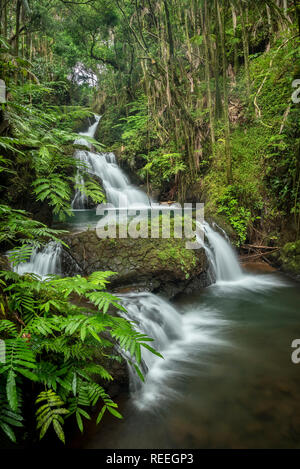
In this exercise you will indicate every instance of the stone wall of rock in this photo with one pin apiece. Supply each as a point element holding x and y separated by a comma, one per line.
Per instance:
<point>158,265</point>
<point>289,259</point>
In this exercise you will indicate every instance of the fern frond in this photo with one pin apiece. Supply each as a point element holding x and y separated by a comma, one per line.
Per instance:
<point>8,328</point>
<point>50,412</point>
<point>9,418</point>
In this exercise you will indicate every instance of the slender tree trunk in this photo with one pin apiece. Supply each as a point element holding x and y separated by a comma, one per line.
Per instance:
<point>17,34</point>
<point>1,16</point>
<point>221,20</point>
<point>218,111</point>
<point>245,48</point>
<point>270,23</point>
<point>204,21</point>
<point>5,21</point>
<point>234,24</point>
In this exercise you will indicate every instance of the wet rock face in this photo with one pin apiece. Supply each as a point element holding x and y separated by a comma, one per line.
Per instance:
<point>290,258</point>
<point>157,265</point>
<point>69,266</point>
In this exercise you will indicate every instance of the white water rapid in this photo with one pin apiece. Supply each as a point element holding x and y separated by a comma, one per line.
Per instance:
<point>118,189</point>
<point>43,262</point>
<point>221,255</point>
<point>176,336</point>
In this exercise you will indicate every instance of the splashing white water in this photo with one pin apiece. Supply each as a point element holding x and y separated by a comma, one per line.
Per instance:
<point>177,337</point>
<point>222,257</point>
<point>118,189</point>
<point>42,262</point>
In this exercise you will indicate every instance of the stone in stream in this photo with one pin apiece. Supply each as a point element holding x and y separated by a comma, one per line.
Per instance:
<point>159,265</point>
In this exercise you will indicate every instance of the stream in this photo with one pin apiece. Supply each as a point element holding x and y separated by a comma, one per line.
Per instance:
<point>227,379</point>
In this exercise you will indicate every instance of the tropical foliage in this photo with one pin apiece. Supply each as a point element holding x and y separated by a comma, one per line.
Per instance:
<point>196,99</point>
<point>56,351</point>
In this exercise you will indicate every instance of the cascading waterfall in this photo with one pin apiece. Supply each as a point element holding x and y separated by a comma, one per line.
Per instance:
<point>176,336</point>
<point>120,193</point>
<point>42,262</point>
<point>118,189</point>
<point>224,262</point>
<point>155,317</point>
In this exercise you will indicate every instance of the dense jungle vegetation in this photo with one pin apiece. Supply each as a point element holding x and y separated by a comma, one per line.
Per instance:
<point>199,100</point>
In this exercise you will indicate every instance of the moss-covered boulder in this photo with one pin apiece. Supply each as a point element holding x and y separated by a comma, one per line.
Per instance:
<point>290,258</point>
<point>160,265</point>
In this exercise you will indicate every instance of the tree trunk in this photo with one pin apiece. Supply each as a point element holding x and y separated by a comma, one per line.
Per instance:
<point>218,110</point>
<point>234,24</point>
<point>17,34</point>
<point>245,49</point>
<point>204,21</point>
<point>221,21</point>
<point>5,21</point>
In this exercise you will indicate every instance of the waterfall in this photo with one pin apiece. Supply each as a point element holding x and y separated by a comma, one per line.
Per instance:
<point>159,320</point>
<point>176,336</point>
<point>118,189</point>
<point>42,262</point>
<point>223,260</point>
<point>224,265</point>
<point>89,133</point>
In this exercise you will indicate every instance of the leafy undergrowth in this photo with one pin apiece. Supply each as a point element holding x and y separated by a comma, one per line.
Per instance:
<point>54,348</point>
<point>265,152</point>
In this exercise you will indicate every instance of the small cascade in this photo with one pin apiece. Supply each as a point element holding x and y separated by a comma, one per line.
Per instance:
<point>118,189</point>
<point>44,262</point>
<point>222,257</point>
<point>176,336</point>
<point>223,261</point>
<point>159,320</point>
<point>89,133</point>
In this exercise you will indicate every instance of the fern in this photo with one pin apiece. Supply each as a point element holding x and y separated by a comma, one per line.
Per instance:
<point>17,228</point>
<point>91,189</point>
<point>56,191</point>
<point>19,358</point>
<point>8,327</point>
<point>9,418</point>
<point>53,343</point>
<point>50,412</point>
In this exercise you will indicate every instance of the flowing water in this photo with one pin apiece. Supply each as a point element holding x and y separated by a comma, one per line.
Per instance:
<point>43,262</point>
<point>227,379</point>
<point>118,189</point>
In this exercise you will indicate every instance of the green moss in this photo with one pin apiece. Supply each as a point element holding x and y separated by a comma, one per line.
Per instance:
<point>264,159</point>
<point>186,258</point>
<point>290,257</point>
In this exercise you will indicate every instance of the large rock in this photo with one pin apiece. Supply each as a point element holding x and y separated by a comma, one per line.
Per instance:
<point>290,258</point>
<point>159,265</point>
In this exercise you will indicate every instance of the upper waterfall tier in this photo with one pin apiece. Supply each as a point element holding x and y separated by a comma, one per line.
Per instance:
<point>118,189</point>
